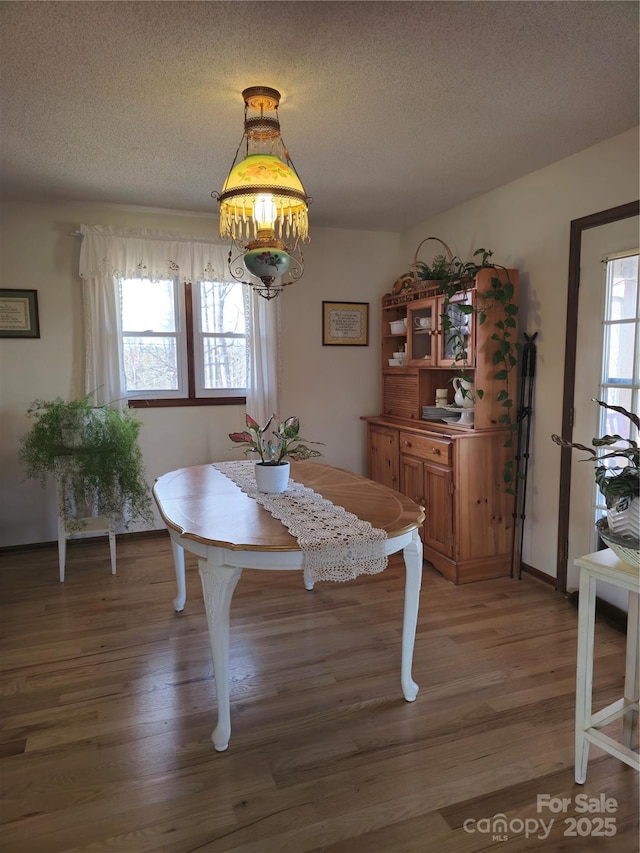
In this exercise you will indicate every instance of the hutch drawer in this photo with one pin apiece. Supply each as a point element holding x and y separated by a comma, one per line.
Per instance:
<point>425,447</point>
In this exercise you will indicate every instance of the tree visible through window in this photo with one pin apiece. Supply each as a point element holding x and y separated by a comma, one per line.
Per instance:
<point>223,329</point>
<point>184,341</point>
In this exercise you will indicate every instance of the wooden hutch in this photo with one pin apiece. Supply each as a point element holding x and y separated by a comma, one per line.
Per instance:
<point>454,471</point>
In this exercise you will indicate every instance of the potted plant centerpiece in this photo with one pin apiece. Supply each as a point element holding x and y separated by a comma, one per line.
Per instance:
<point>93,454</point>
<point>275,443</point>
<point>617,474</point>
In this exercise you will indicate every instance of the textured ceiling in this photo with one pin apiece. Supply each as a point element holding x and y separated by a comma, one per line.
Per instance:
<point>392,111</point>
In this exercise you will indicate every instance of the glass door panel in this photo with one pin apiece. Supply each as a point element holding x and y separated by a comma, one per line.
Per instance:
<point>421,331</point>
<point>456,346</point>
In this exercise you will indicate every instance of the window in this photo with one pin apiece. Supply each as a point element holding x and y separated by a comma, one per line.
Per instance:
<point>221,312</point>
<point>182,343</point>
<point>620,385</point>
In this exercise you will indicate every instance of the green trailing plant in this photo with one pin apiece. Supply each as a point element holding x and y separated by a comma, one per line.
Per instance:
<point>274,441</point>
<point>94,456</point>
<point>618,483</point>
<point>454,286</point>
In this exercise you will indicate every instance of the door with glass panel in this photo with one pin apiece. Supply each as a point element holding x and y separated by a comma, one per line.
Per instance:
<point>607,367</point>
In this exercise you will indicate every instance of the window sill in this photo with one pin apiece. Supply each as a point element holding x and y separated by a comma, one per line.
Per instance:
<point>172,402</point>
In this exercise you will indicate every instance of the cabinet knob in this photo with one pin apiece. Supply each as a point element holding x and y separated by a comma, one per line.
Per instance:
<point>407,443</point>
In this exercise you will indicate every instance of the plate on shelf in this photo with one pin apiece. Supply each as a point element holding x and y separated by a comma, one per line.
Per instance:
<point>451,419</point>
<point>434,412</point>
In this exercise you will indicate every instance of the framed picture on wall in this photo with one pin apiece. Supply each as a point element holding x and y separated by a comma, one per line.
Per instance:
<point>345,324</point>
<point>19,314</point>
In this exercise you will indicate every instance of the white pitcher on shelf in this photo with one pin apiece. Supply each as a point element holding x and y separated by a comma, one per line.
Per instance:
<point>464,392</point>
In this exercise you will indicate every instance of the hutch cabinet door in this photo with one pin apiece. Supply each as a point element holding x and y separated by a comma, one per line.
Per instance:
<point>382,456</point>
<point>438,524</point>
<point>412,480</point>
<point>457,349</point>
<point>401,393</point>
<point>422,325</point>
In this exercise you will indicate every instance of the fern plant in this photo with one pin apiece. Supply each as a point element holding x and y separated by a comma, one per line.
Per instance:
<point>94,456</point>
<point>438,270</point>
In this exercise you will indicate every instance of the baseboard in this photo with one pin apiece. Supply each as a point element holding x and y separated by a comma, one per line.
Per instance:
<point>541,576</point>
<point>40,546</point>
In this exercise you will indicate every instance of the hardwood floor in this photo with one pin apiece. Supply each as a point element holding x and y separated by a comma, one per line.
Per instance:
<point>108,704</point>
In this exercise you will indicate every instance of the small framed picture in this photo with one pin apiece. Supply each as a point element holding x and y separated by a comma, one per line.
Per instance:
<point>19,314</point>
<point>345,324</point>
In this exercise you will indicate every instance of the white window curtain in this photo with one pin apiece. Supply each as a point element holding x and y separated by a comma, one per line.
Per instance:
<point>108,254</point>
<point>263,397</point>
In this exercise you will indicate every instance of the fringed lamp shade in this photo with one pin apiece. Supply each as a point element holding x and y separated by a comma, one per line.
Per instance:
<point>261,190</point>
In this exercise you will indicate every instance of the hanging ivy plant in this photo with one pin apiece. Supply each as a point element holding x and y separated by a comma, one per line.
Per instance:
<point>505,354</point>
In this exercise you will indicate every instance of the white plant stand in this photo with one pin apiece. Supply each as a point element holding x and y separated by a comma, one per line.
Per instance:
<point>605,566</point>
<point>94,526</point>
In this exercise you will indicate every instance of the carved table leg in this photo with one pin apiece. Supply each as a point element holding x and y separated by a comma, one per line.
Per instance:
<point>413,563</point>
<point>178,565</point>
<point>218,584</point>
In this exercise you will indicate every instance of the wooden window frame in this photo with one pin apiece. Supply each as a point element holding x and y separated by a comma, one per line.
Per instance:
<point>191,399</point>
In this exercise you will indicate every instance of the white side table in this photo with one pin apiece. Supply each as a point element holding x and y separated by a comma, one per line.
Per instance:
<point>607,567</point>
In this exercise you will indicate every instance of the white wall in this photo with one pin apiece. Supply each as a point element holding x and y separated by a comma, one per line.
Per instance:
<point>328,387</point>
<point>336,385</point>
<point>526,223</point>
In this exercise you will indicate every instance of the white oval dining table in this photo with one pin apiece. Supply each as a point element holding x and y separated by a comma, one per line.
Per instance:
<point>208,515</point>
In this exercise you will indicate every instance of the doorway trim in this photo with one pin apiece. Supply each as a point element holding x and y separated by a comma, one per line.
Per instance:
<point>603,217</point>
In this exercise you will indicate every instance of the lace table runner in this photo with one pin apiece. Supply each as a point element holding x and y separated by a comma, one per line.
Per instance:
<point>336,544</point>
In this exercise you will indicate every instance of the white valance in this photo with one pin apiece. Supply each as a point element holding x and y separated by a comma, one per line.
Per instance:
<point>146,253</point>
<point>109,253</point>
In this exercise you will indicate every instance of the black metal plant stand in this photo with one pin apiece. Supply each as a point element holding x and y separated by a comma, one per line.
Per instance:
<point>524,413</point>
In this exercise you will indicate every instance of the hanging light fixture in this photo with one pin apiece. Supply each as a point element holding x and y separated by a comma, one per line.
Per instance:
<point>263,205</point>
